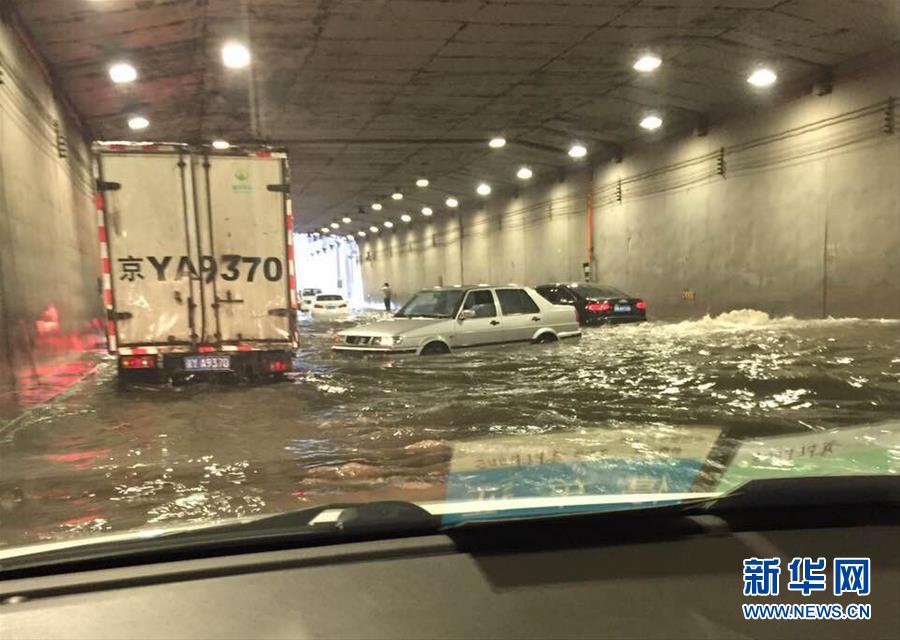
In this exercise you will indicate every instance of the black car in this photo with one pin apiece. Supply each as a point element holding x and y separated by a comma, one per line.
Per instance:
<point>596,303</point>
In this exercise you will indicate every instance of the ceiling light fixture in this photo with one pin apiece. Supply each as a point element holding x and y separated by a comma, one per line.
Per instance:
<point>647,63</point>
<point>373,229</point>
<point>221,145</point>
<point>524,173</point>
<point>762,77</point>
<point>484,189</point>
<point>406,217</point>
<point>577,151</point>
<point>361,234</point>
<point>335,225</point>
<point>136,123</point>
<point>388,224</point>
<point>426,211</point>
<point>346,219</point>
<point>422,182</point>
<point>651,122</point>
<point>497,143</point>
<point>122,73</point>
<point>451,202</point>
<point>376,206</point>
<point>235,55</point>
<point>397,196</point>
<point>325,230</point>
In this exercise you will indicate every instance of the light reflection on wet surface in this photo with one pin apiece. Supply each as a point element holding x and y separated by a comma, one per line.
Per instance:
<point>102,459</point>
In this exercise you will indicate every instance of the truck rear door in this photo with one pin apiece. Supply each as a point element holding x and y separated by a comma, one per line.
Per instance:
<point>148,225</point>
<point>243,227</point>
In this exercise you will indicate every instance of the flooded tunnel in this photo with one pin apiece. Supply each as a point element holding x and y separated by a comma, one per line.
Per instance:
<point>289,277</point>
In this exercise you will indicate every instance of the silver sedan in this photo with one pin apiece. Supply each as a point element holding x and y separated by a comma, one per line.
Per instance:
<point>442,320</point>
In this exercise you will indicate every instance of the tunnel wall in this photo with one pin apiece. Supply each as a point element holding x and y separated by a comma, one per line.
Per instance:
<point>49,256</point>
<point>804,219</point>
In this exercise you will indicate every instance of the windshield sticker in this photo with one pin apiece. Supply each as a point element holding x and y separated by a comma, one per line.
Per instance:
<point>578,464</point>
<point>873,449</point>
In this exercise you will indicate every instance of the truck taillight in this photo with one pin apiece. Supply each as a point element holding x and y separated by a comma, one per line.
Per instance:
<point>641,305</point>
<point>137,362</point>
<point>598,306</point>
<point>205,348</point>
<point>279,366</point>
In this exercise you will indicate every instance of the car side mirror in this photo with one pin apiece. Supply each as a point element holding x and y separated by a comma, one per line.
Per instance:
<point>466,314</point>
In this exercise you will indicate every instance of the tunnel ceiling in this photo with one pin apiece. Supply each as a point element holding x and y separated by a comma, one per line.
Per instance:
<point>368,95</point>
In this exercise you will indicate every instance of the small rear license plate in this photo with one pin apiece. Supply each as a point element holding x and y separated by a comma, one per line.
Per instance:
<point>207,363</point>
<point>622,308</point>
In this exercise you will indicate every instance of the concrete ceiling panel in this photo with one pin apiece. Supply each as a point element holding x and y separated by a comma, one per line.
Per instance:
<point>424,71</point>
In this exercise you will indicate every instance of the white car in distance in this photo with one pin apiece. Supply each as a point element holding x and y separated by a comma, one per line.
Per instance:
<point>442,320</point>
<point>329,306</point>
<point>307,297</point>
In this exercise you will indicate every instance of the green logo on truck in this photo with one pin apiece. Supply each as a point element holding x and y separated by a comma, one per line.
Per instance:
<point>241,182</point>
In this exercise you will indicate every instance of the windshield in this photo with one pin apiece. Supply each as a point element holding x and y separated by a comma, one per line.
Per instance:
<point>431,304</point>
<point>591,252</point>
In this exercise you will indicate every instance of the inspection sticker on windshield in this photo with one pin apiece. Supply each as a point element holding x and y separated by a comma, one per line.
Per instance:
<point>589,462</point>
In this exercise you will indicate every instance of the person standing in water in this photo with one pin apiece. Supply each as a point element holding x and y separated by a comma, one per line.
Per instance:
<point>386,290</point>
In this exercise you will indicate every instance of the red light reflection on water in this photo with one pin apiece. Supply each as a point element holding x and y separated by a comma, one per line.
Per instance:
<point>49,356</point>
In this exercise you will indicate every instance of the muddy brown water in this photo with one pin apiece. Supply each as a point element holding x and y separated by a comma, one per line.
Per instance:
<point>98,458</point>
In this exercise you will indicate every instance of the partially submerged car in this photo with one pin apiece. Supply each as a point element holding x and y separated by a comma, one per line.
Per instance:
<point>444,319</point>
<point>596,304</point>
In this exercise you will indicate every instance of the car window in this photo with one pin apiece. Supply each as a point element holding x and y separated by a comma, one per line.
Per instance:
<point>431,304</point>
<point>328,297</point>
<point>557,295</point>
<point>515,301</point>
<point>482,302</point>
<point>551,294</point>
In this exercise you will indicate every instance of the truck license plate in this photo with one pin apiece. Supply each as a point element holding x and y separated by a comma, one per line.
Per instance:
<point>207,363</point>
<point>622,308</point>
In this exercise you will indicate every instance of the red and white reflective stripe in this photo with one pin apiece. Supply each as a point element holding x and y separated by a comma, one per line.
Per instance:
<point>136,146</point>
<point>107,277</point>
<point>240,347</point>
<point>292,278</point>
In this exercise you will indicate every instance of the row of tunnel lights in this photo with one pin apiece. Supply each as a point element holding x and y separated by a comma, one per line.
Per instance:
<point>760,77</point>
<point>235,55</point>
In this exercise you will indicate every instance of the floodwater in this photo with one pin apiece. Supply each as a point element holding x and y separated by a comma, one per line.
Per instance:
<point>98,458</point>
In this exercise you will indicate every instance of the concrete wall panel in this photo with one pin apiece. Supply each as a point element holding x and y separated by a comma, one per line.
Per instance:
<point>50,307</point>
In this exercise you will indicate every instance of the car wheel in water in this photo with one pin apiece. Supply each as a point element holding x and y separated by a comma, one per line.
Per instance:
<point>546,338</point>
<point>434,349</point>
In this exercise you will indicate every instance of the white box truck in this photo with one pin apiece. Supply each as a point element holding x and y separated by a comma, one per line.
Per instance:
<point>197,254</point>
